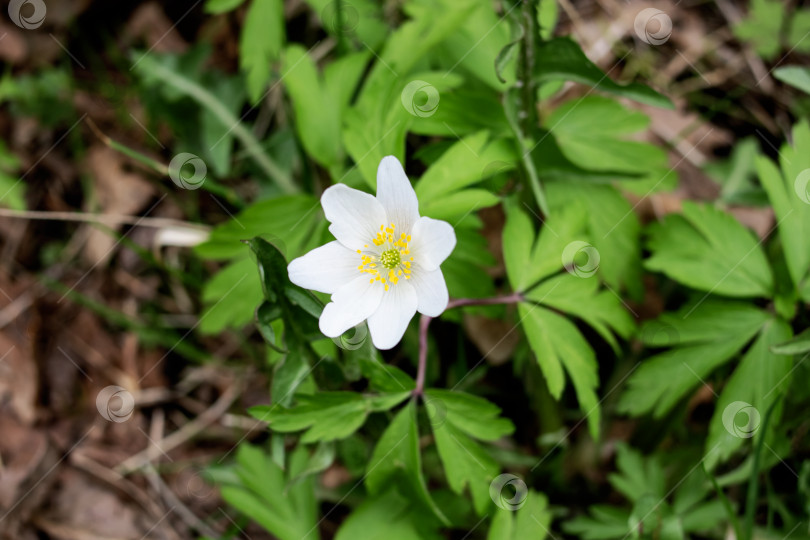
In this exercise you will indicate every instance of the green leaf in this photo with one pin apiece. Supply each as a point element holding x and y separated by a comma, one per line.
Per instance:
<point>289,374</point>
<point>221,6</point>
<point>325,416</point>
<point>602,310</point>
<point>464,111</point>
<point>389,516</point>
<point>762,27</point>
<point>527,262</point>
<point>789,193</point>
<point>231,296</point>
<point>450,207</point>
<point>532,520</point>
<point>702,337</point>
<point>219,142</point>
<point>465,464</point>
<point>474,45</point>
<point>796,76</point>
<point>761,378</point>
<point>798,345</point>
<point>557,343</point>
<point>637,476</point>
<point>263,494</point>
<point>473,415</point>
<point>341,77</point>
<point>162,71</point>
<point>592,132</point>
<point>260,44</point>
<point>397,458</point>
<point>463,165</point>
<point>317,113</point>
<point>606,523</point>
<point>321,459</point>
<point>709,250</point>
<point>385,378</point>
<point>290,217</point>
<point>562,59</point>
<point>737,175</point>
<point>612,227</point>
<point>518,240</point>
<point>266,313</point>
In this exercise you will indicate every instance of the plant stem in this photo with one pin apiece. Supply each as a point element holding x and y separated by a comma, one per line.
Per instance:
<point>424,324</point>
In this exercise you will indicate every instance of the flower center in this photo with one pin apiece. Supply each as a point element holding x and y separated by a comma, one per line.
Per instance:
<point>390,259</point>
<point>388,262</point>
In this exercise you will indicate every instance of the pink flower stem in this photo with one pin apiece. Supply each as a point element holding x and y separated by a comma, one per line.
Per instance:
<point>424,323</point>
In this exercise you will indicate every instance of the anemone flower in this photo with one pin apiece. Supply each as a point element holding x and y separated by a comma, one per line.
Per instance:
<point>384,264</point>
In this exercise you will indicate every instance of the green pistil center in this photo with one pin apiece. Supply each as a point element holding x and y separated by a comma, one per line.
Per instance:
<point>390,259</point>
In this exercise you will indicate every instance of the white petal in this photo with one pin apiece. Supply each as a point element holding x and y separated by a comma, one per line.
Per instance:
<point>431,291</point>
<point>432,242</point>
<point>355,216</point>
<point>325,269</point>
<point>351,305</point>
<point>387,325</point>
<point>395,193</point>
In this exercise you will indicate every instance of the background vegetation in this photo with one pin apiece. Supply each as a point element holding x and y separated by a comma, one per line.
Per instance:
<point>630,180</point>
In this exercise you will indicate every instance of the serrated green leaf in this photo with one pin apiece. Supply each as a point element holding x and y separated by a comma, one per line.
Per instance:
<point>465,463</point>
<point>262,493</point>
<point>612,227</point>
<point>290,218</point>
<point>471,414</point>
<point>389,516</point>
<point>602,310</point>
<point>709,250</point>
<point>531,520</point>
<point>557,343</point>
<point>607,523</point>
<point>325,416</point>
<point>637,476</point>
<point>664,379</point>
<point>789,191</point>
<point>762,27</point>
<point>562,59</point>
<point>527,262</point>
<point>464,164</point>
<point>397,458</point>
<point>760,379</point>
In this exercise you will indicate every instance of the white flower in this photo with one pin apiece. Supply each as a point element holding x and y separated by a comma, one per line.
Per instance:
<point>384,266</point>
